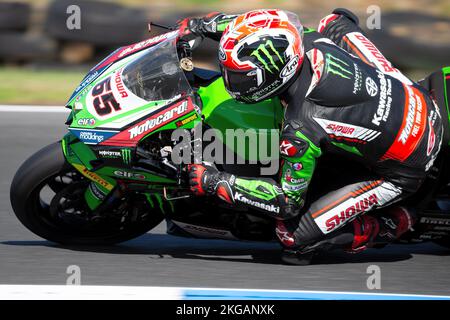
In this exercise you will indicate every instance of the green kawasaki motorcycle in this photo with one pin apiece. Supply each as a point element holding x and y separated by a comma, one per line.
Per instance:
<point>111,177</point>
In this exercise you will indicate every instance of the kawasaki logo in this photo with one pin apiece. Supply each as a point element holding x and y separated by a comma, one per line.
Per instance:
<point>337,66</point>
<point>239,197</point>
<point>159,120</point>
<point>264,53</point>
<point>126,155</point>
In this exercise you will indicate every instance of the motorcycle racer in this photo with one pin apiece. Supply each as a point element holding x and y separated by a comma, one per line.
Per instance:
<point>341,96</point>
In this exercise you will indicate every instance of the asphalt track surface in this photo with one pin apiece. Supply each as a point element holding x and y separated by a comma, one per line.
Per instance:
<point>157,259</point>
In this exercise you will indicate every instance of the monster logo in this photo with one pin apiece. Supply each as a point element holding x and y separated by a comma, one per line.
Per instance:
<point>265,54</point>
<point>126,155</point>
<point>337,66</point>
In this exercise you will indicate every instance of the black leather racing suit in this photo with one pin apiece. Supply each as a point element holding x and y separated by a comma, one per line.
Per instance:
<point>347,100</point>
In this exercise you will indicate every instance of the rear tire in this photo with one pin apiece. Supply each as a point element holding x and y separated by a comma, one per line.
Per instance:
<point>26,200</point>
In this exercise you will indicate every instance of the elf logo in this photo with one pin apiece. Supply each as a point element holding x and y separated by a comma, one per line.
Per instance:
<point>359,206</point>
<point>129,175</point>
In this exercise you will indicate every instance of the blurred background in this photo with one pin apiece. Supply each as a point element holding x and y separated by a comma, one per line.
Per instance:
<point>42,61</point>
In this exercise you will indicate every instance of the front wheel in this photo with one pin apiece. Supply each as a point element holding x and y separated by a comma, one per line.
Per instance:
<point>47,196</point>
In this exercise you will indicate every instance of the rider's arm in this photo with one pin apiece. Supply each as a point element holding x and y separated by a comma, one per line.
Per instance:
<point>338,25</point>
<point>299,154</point>
<point>342,28</point>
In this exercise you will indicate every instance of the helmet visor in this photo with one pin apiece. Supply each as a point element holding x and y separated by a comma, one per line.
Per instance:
<point>241,82</point>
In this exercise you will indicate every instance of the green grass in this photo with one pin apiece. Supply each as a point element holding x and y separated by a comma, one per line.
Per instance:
<point>30,86</point>
<point>54,87</point>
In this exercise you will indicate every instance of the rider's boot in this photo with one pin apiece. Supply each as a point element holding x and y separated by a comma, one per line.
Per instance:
<point>364,232</point>
<point>377,231</point>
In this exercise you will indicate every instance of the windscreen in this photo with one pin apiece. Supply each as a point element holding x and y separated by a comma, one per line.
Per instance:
<point>156,74</point>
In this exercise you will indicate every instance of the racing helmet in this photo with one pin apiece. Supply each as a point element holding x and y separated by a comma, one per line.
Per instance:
<point>260,52</point>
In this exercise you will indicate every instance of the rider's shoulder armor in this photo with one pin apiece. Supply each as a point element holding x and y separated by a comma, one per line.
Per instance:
<point>337,76</point>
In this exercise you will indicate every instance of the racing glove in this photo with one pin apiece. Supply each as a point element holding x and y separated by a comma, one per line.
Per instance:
<point>264,195</point>
<point>341,21</point>
<point>211,26</point>
<point>207,180</point>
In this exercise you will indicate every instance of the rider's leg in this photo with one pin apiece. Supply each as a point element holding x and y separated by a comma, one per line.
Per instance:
<point>339,207</point>
<point>374,230</point>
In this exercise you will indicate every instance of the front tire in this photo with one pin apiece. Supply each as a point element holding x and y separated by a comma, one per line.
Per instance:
<point>48,172</point>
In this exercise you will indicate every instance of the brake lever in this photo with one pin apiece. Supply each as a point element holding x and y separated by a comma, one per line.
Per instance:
<point>160,26</point>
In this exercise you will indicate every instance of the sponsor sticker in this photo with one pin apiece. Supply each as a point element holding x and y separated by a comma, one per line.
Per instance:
<point>363,205</point>
<point>158,120</point>
<point>384,104</point>
<point>287,148</point>
<point>109,154</point>
<point>146,43</point>
<point>297,166</point>
<point>92,136</point>
<point>119,84</point>
<point>296,187</point>
<point>267,207</point>
<point>93,176</point>
<point>87,80</point>
<point>96,191</point>
<point>86,122</point>
<point>187,120</point>
<point>371,87</point>
<point>290,68</point>
<point>129,175</point>
<point>347,131</point>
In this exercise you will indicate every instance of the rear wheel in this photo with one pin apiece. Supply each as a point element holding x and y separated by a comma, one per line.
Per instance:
<point>47,196</point>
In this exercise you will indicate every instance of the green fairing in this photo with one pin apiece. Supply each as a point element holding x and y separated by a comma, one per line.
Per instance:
<point>79,154</point>
<point>91,200</point>
<point>109,171</point>
<point>446,72</point>
<point>84,153</point>
<point>351,149</point>
<point>222,112</point>
<point>160,201</point>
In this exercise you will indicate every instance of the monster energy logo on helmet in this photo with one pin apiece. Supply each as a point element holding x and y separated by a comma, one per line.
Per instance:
<point>126,155</point>
<point>337,66</point>
<point>265,54</point>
